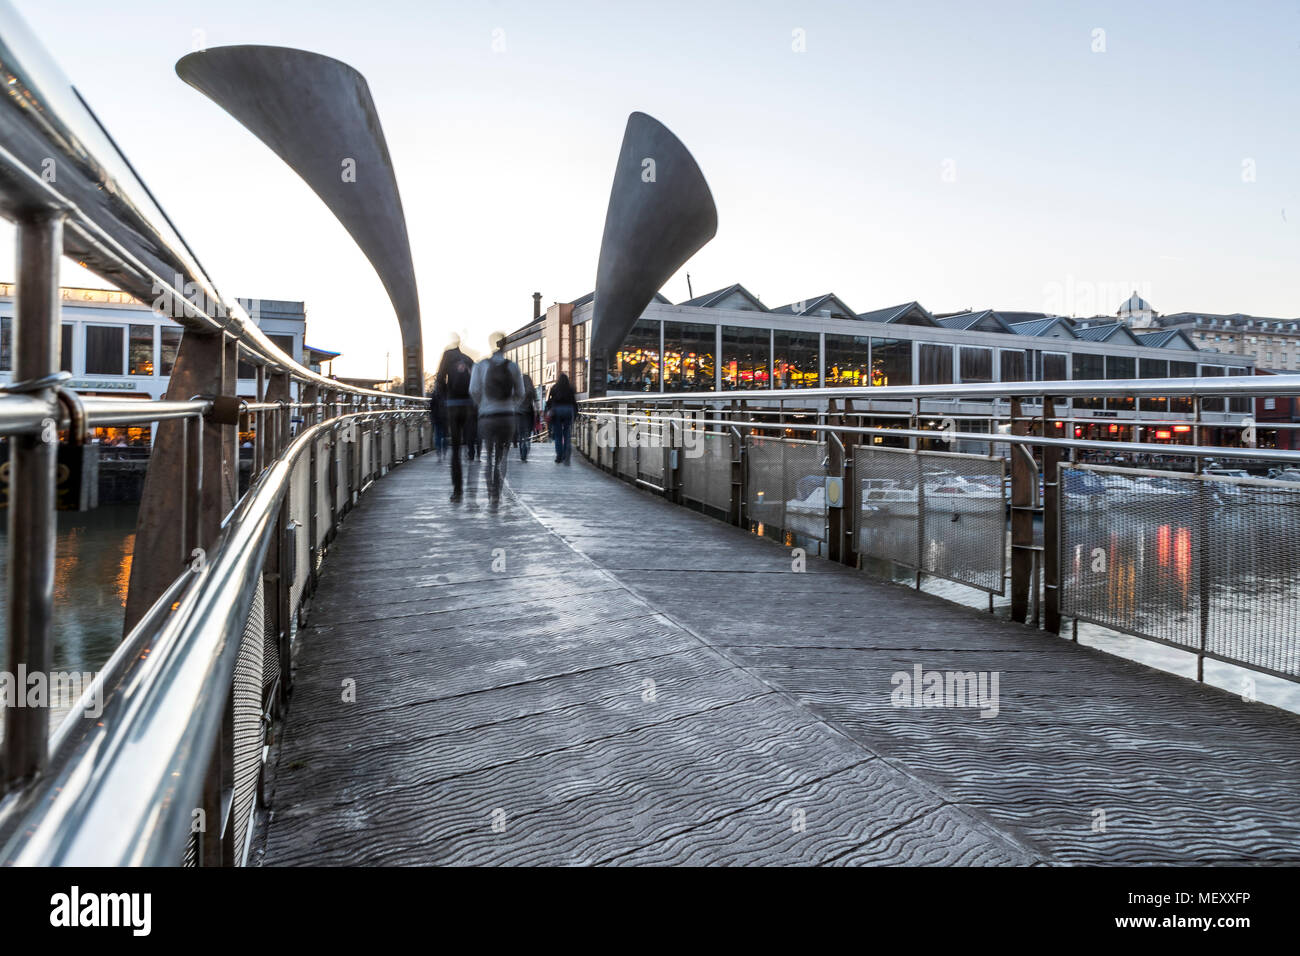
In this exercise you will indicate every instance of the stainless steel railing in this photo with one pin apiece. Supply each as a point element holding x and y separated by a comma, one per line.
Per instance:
<point>171,770</point>
<point>122,789</point>
<point>1011,508</point>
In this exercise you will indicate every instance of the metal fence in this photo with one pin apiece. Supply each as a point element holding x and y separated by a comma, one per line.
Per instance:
<point>944,514</point>
<point>706,470</point>
<point>170,771</point>
<point>1206,562</point>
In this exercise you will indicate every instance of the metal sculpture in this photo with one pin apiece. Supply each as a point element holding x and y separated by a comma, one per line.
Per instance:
<point>316,114</point>
<point>660,214</point>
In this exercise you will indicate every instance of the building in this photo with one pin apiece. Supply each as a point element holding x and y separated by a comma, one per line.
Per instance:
<point>728,340</point>
<point>114,345</point>
<point>1269,343</point>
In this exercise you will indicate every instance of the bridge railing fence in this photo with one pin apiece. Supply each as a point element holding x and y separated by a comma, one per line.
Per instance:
<point>204,674</point>
<point>1004,501</point>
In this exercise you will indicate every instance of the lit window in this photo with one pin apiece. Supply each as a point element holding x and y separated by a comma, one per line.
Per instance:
<point>140,350</point>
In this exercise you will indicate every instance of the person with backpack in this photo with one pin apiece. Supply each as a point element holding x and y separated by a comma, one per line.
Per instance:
<point>497,389</point>
<point>455,372</point>
<point>561,408</point>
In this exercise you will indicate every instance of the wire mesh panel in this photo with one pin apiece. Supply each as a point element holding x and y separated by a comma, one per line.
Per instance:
<point>704,463</point>
<point>299,496</point>
<point>886,504</point>
<point>343,469</point>
<point>1201,562</point>
<point>322,490</point>
<point>1131,553</point>
<point>766,489</point>
<point>627,461</point>
<point>650,461</point>
<point>246,703</point>
<point>964,519</point>
<point>804,488</point>
<point>1254,617</point>
<point>940,513</point>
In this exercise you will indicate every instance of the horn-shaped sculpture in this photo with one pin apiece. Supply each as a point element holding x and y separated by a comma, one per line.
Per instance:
<point>660,214</point>
<point>317,115</point>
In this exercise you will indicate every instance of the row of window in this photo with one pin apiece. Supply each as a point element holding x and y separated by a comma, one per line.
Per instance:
<point>108,349</point>
<point>121,349</point>
<point>762,358</point>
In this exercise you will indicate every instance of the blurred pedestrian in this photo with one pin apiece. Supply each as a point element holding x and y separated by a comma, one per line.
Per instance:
<point>527,417</point>
<point>438,414</point>
<point>497,389</point>
<point>561,407</point>
<point>453,380</point>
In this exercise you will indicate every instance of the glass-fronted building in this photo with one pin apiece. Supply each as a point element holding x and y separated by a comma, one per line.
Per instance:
<point>729,341</point>
<point>113,345</point>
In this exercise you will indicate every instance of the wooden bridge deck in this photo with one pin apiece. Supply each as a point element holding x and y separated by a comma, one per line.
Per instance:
<point>643,685</point>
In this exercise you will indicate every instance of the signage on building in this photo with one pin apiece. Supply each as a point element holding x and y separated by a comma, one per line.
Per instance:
<point>549,373</point>
<point>115,386</point>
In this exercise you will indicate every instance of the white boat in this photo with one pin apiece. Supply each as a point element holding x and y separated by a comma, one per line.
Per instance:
<point>950,494</point>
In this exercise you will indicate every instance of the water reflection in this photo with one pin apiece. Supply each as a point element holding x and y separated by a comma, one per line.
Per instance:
<point>91,574</point>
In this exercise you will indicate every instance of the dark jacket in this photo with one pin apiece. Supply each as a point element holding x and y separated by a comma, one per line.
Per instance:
<point>453,377</point>
<point>562,393</point>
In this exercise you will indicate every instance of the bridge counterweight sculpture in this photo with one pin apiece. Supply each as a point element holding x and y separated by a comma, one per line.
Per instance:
<point>660,214</point>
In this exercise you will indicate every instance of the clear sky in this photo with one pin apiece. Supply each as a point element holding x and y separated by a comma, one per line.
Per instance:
<point>989,154</point>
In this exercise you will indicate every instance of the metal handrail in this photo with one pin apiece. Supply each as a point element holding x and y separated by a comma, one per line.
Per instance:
<point>106,800</point>
<point>1238,385</point>
<point>1036,578</point>
<point>113,225</point>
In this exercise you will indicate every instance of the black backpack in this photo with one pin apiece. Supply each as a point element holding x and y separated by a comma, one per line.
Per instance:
<point>499,383</point>
<point>458,376</point>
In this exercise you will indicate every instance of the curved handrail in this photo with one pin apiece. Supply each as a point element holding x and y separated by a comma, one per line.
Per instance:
<point>113,225</point>
<point>118,793</point>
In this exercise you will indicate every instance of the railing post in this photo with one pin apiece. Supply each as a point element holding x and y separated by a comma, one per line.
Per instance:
<point>739,480</point>
<point>259,436</point>
<point>208,470</point>
<point>1024,498</point>
<point>1051,522</point>
<point>332,468</point>
<point>1202,544</point>
<point>311,395</point>
<point>835,457</point>
<point>32,461</point>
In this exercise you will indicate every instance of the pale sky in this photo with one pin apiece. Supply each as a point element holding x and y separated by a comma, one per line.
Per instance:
<point>1003,155</point>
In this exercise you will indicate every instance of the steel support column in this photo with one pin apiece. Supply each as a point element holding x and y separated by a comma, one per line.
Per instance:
<point>1051,523</point>
<point>32,460</point>
<point>205,365</point>
<point>1024,505</point>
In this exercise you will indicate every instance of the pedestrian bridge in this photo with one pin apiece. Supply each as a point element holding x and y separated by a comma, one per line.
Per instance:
<point>591,675</point>
<point>336,665</point>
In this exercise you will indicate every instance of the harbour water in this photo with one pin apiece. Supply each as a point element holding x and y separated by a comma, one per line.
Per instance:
<point>94,563</point>
<point>90,582</point>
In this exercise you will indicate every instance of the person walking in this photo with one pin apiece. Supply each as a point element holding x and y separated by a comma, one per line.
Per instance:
<point>562,407</point>
<point>527,417</point>
<point>438,413</point>
<point>497,388</point>
<point>453,381</point>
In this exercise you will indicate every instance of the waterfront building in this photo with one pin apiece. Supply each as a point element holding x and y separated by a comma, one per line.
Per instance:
<point>728,340</point>
<point>114,345</point>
